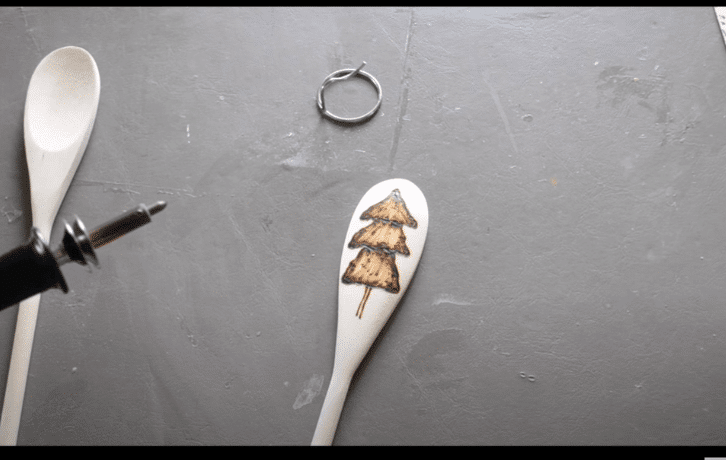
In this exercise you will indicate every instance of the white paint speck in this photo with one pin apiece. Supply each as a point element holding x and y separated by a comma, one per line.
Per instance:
<point>311,389</point>
<point>300,160</point>
<point>12,214</point>
<point>74,370</point>
<point>188,141</point>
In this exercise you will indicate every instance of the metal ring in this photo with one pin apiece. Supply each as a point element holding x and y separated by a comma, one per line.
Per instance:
<point>344,74</point>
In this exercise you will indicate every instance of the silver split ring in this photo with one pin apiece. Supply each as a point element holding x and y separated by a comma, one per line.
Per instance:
<point>344,74</point>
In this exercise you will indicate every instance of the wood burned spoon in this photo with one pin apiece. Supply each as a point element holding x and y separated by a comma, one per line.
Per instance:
<point>382,249</point>
<point>60,109</point>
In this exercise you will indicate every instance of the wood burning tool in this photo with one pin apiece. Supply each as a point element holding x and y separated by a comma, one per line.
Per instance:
<point>33,268</point>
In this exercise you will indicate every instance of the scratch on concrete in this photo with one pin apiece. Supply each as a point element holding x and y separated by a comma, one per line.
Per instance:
<point>419,385</point>
<point>390,38</point>
<point>503,115</point>
<point>403,98</point>
<point>11,104</point>
<point>29,30</point>
<point>446,298</point>
<point>183,326</point>
<point>123,187</point>
<point>238,231</point>
<point>311,389</point>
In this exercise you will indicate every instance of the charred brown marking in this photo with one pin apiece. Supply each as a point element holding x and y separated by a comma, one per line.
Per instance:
<point>381,235</point>
<point>375,269</point>
<point>393,209</point>
<point>375,265</point>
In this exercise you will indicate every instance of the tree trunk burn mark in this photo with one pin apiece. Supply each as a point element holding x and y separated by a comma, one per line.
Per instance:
<point>375,265</point>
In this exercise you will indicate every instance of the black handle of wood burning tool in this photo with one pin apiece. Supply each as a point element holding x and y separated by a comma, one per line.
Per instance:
<point>28,270</point>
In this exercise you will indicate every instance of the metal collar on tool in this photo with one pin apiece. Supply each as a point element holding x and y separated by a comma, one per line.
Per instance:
<point>344,74</point>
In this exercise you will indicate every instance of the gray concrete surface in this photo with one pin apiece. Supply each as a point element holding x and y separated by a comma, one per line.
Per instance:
<point>572,287</point>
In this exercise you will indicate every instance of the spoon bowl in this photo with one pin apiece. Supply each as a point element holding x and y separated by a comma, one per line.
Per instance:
<point>60,109</point>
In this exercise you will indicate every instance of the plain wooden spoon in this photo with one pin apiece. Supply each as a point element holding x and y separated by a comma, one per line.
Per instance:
<point>60,110</point>
<point>382,250</point>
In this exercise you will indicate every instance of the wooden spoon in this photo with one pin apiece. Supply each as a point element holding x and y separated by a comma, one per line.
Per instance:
<point>382,250</point>
<point>60,110</point>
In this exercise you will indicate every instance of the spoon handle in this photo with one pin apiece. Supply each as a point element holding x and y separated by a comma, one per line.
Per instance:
<point>18,374</point>
<point>332,408</point>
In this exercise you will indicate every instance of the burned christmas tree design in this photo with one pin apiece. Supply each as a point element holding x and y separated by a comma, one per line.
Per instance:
<point>375,265</point>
